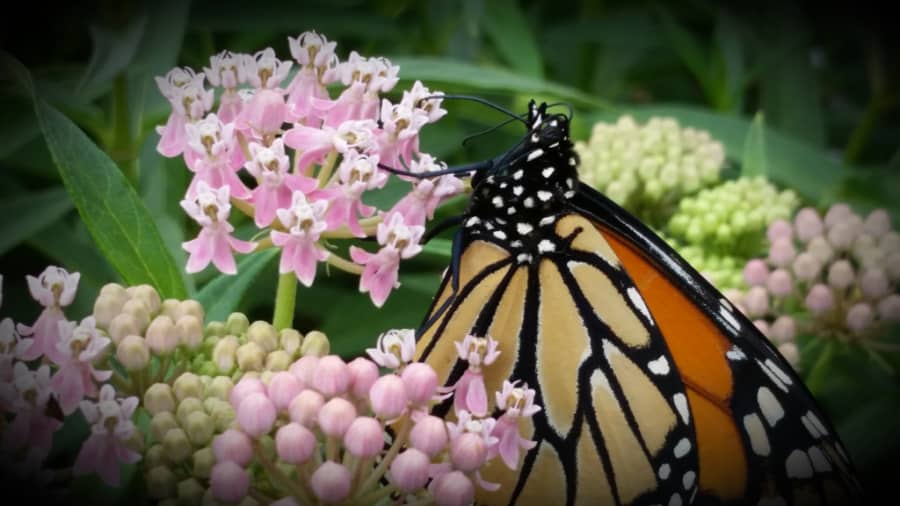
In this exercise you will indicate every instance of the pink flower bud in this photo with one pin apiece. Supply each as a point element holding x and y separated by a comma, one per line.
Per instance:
<point>836,213</point>
<point>453,489</point>
<point>256,414</point>
<point>282,388</point>
<point>421,382</point>
<point>780,283</point>
<point>790,352</point>
<point>305,369</point>
<point>819,299</point>
<point>244,388</point>
<point>874,284</point>
<point>332,376</point>
<point>892,266</point>
<point>782,252</point>
<point>756,272</point>
<point>859,317</point>
<point>363,373</point>
<point>336,416</point>
<point>779,229</point>
<point>365,437</point>
<point>841,275</point>
<point>820,248</point>
<point>331,482</point>
<point>756,302</point>
<point>889,308</point>
<point>844,232</point>
<point>808,224</point>
<point>409,470</point>
<point>468,452</point>
<point>429,435</point>
<point>783,329</point>
<point>233,446</point>
<point>388,397</point>
<point>806,266</point>
<point>304,409</point>
<point>294,443</point>
<point>878,222</point>
<point>762,325</point>
<point>229,482</point>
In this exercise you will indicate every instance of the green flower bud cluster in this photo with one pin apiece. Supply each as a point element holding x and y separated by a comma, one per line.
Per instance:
<point>237,347</point>
<point>648,168</point>
<point>731,218</point>
<point>186,416</point>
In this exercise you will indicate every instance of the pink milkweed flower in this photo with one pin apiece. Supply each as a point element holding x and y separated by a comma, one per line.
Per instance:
<point>416,97</point>
<point>111,426</point>
<point>11,348</point>
<point>365,78</point>
<point>80,345</point>
<point>27,396</point>
<point>224,71</point>
<point>399,136</point>
<point>356,174</point>
<point>300,250</point>
<point>518,403</point>
<point>214,156</point>
<point>419,205</point>
<point>264,70</point>
<point>470,393</point>
<point>316,143</point>
<point>190,101</point>
<point>380,274</point>
<point>465,428</point>
<point>270,166</point>
<point>54,289</point>
<point>318,63</point>
<point>262,115</point>
<point>394,348</point>
<point>210,208</point>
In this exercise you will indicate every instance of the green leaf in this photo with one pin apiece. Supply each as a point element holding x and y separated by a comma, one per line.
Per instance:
<point>729,58</point>
<point>221,296</point>
<point>112,211</point>
<point>470,76</point>
<point>114,48</point>
<point>34,211</point>
<point>753,163</point>
<point>508,29</point>
<point>689,50</point>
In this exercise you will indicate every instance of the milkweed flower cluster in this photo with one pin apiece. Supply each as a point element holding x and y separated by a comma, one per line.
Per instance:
<point>833,276</point>
<point>326,431</point>
<point>310,159</point>
<point>647,168</point>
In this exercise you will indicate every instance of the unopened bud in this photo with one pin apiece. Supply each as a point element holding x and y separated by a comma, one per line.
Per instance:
<point>237,324</point>
<point>186,407</point>
<point>138,310</point>
<point>161,423</point>
<point>215,329</point>
<point>123,325</point>
<point>263,334</point>
<point>188,385</point>
<point>115,291</point>
<point>159,398</point>
<point>133,353</point>
<point>162,336</point>
<point>224,353</point>
<point>161,482</point>
<point>106,307</point>
<point>203,461</point>
<point>190,492</point>
<point>199,428</point>
<point>189,332</point>
<point>177,445</point>
<point>148,295</point>
<point>278,360</point>
<point>219,388</point>
<point>169,307</point>
<point>290,340</point>
<point>154,456</point>
<point>250,356</point>
<point>191,307</point>
<point>315,343</point>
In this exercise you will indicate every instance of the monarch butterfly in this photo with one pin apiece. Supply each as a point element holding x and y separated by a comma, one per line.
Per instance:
<point>655,390</point>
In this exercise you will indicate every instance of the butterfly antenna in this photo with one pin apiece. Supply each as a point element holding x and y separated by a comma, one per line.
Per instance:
<point>488,103</point>
<point>567,105</point>
<point>487,131</point>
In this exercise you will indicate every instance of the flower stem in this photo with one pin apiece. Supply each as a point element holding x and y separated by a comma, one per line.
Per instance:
<point>376,495</point>
<point>327,167</point>
<point>344,264</point>
<point>280,480</point>
<point>244,207</point>
<point>379,471</point>
<point>285,300</point>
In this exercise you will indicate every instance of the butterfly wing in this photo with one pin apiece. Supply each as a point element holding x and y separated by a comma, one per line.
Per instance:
<point>760,434</point>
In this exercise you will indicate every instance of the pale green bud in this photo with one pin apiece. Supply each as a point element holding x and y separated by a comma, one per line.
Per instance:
<point>162,336</point>
<point>290,340</point>
<point>224,353</point>
<point>177,445</point>
<point>133,353</point>
<point>154,456</point>
<point>263,334</point>
<point>219,387</point>
<point>188,385</point>
<point>191,307</point>
<point>159,398</point>
<point>204,459</point>
<point>221,412</point>
<point>186,407</point>
<point>190,492</point>
<point>189,331</point>
<point>107,307</point>
<point>123,325</point>
<point>199,428</point>
<point>315,343</point>
<point>237,324</point>
<point>250,356</point>
<point>169,307</point>
<point>114,290</point>
<point>267,446</point>
<point>161,423</point>
<point>215,329</point>
<point>161,482</point>
<point>278,360</point>
<point>148,295</point>
<point>138,310</point>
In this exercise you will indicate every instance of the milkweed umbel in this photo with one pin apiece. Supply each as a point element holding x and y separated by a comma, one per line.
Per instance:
<point>655,390</point>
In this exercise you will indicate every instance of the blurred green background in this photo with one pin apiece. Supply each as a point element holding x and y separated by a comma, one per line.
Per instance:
<point>826,81</point>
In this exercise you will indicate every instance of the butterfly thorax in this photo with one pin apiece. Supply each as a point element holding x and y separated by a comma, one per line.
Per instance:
<point>517,203</point>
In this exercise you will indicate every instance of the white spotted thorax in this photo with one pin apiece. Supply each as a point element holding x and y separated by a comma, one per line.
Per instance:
<point>518,202</point>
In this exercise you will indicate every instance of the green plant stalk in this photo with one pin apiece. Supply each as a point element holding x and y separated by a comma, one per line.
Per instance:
<point>121,148</point>
<point>863,130</point>
<point>285,301</point>
<point>820,369</point>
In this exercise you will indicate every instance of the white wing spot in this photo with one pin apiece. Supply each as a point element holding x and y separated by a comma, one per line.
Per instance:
<point>758,440</point>
<point>535,154</point>
<point>524,228</point>
<point>817,423</point>
<point>503,185</point>
<point>798,465</point>
<point>659,366</point>
<point>675,500</point>
<point>547,220</point>
<point>735,353</point>
<point>516,244</point>
<point>639,303</point>
<point>682,405</point>
<point>497,201</point>
<point>769,405</point>
<point>682,448</point>
<point>474,220</point>
<point>819,462</point>
<point>528,202</point>
<point>499,234</point>
<point>772,375</point>
<point>523,258</point>
<point>724,302</point>
<point>569,194</point>
<point>518,174</point>
<point>570,182</point>
<point>554,145</point>
<point>688,479</point>
<point>535,138</point>
<point>517,190</point>
<point>511,211</point>
<point>778,371</point>
<point>572,162</point>
<point>547,172</point>
<point>732,321</point>
<point>546,246</point>
<point>544,196</point>
<point>664,471</point>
